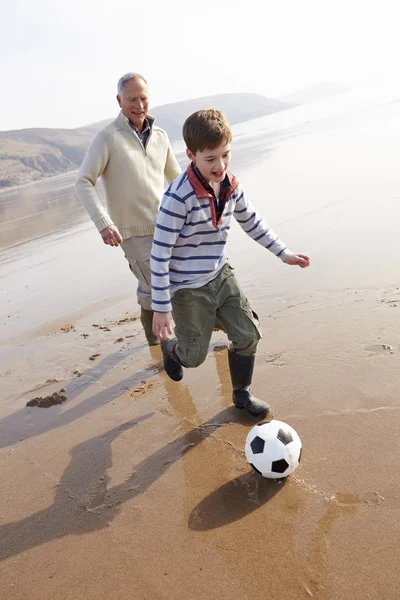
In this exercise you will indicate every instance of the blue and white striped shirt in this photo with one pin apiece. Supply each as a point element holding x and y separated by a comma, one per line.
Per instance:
<point>189,240</point>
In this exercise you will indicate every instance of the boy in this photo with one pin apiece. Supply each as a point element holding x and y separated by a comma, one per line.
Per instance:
<point>190,274</point>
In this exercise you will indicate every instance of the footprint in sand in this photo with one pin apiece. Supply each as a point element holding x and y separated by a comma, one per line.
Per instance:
<point>141,389</point>
<point>370,498</point>
<point>391,303</point>
<point>391,298</point>
<point>274,359</point>
<point>376,349</point>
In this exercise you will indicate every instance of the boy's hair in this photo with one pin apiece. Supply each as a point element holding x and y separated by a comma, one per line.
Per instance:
<point>208,128</point>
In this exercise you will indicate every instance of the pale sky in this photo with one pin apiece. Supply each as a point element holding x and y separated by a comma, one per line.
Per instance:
<point>60,59</point>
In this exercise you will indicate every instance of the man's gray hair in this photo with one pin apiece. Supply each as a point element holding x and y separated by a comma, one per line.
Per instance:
<point>127,77</point>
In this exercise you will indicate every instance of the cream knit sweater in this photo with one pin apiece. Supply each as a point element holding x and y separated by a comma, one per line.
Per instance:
<point>133,177</point>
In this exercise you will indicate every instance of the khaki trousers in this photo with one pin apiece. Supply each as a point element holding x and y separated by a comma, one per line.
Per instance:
<point>195,312</point>
<point>137,252</point>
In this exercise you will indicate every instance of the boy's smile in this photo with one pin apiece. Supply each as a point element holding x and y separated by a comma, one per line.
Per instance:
<point>212,163</point>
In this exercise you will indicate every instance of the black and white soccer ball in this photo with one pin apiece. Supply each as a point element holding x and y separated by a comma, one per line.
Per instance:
<point>273,449</point>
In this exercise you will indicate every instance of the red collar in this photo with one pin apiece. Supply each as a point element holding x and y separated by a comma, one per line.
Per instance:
<point>200,190</point>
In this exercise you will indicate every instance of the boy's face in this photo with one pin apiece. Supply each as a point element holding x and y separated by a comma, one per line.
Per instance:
<point>212,163</point>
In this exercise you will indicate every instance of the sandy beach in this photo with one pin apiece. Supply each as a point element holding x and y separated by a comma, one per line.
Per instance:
<point>137,487</point>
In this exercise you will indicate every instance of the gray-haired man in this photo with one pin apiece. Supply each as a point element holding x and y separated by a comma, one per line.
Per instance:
<point>132,156</point>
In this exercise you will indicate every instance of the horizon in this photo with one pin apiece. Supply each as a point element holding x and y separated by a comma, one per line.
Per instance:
<point>61,63</point>
<point>177,102</point>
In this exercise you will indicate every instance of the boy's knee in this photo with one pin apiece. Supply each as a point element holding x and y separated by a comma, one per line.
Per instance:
<point>247,346</point>
<point>190,351</point>
<point>191,362</point>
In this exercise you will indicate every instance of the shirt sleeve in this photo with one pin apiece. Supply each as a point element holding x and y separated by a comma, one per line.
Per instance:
<point>255,227</point>
<point>170,221</point>
<point>92,167</point>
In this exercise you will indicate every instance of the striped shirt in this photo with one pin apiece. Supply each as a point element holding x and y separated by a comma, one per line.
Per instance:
<point>189,241</point>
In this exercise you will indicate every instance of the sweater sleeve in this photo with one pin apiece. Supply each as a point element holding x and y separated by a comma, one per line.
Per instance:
<point>172,168</point>
<point>170,221</point>
<point>252,223</point>
<point>92,167</point>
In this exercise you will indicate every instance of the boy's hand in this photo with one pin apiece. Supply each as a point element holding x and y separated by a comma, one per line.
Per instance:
<point>301,260</point>
<point>162,324</point>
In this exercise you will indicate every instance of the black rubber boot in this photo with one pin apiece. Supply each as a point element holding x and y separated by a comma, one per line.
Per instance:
<point>172,366</point>
<point>241,368</point>
<point>146,317</point>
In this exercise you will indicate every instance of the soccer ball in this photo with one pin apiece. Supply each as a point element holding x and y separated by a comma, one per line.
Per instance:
<point>273,449</point>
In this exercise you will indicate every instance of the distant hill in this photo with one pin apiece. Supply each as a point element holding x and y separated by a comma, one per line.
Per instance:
<point>314,93</point>
<point>237,107</point>
<point>31,154</point>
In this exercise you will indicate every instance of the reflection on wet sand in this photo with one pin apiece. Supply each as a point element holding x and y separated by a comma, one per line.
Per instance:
<point>65,518</point>
<point>37,210</point>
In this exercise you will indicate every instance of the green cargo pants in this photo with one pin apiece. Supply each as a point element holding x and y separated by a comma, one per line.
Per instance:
<point>195,310</point>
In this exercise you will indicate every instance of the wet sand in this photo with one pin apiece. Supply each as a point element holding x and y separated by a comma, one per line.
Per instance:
<point>137,487</point>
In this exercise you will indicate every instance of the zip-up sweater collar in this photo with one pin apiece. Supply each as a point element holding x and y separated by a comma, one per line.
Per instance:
<point>122,122</point>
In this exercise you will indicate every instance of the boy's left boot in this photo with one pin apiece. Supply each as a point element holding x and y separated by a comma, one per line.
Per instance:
<point>241,368</point>
<point>172,366</point>
<point>146,318</point>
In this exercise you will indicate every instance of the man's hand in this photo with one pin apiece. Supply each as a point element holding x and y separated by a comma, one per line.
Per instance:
<point>301,260</point>
<point>111,236</point>
<point>162,324</point>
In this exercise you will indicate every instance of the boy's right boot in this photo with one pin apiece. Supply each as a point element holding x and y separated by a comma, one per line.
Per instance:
<point>172,366</point>
<point>241,368</point>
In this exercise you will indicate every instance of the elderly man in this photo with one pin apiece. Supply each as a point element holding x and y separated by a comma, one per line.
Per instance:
<point>132,156</point>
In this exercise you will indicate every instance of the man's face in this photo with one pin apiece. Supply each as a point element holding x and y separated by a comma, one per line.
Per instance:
<point>212,163</point>
<point>134,101</point>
